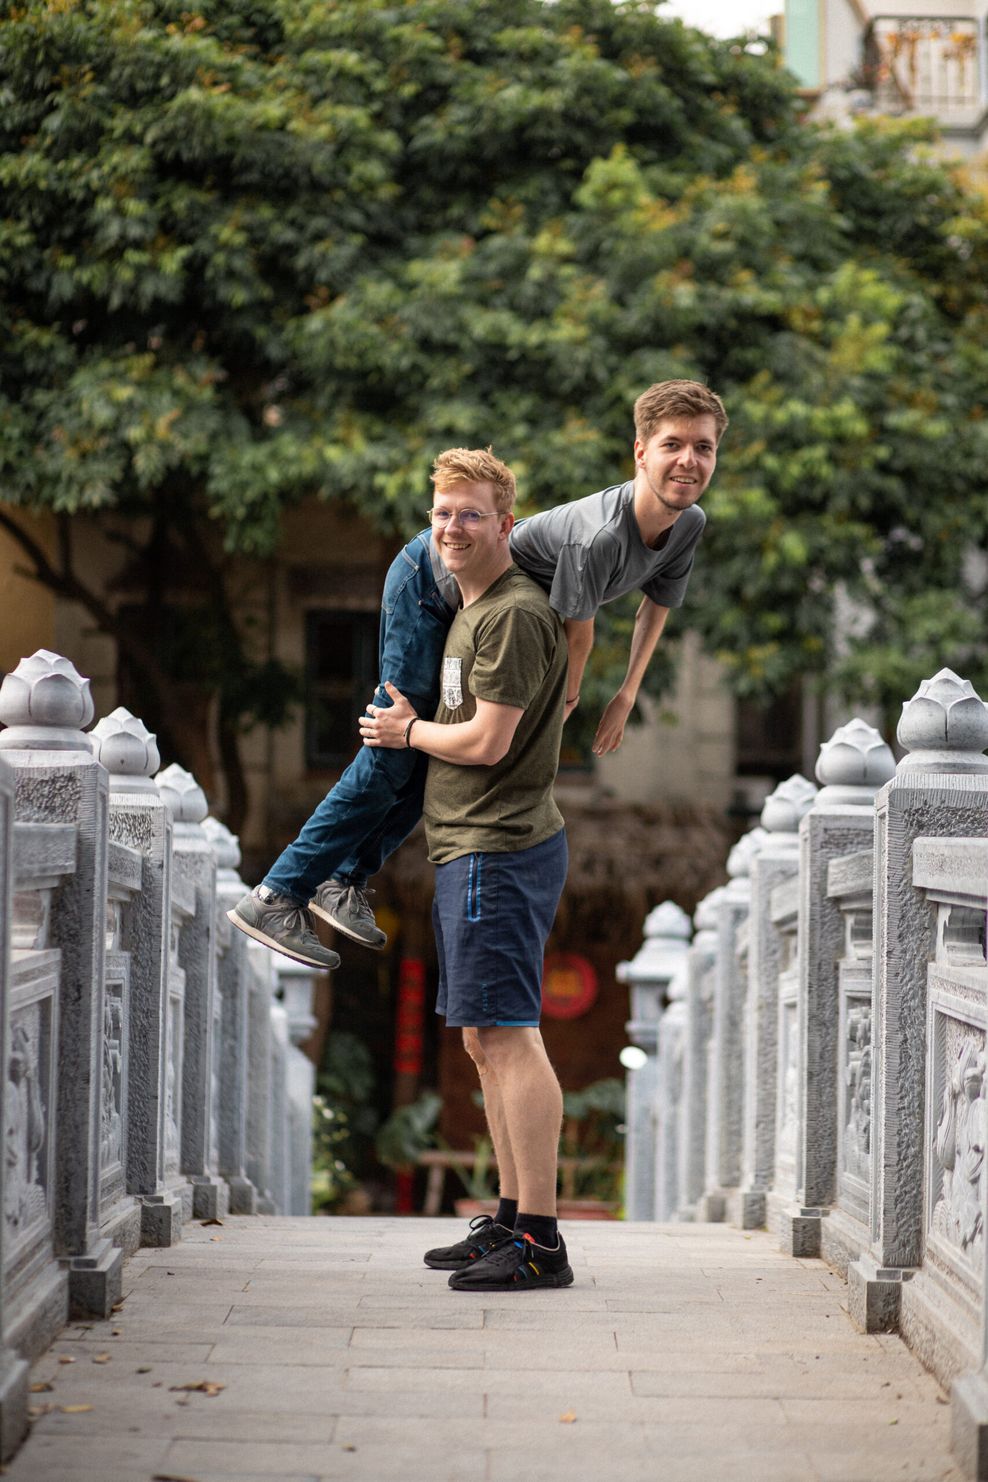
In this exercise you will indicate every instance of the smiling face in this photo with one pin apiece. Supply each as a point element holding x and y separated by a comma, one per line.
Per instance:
<point>677,462</point>
<point>477,552</point>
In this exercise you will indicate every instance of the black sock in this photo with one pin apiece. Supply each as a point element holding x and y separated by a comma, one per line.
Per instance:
<point>542,1227</point>
<point>507,1211</point>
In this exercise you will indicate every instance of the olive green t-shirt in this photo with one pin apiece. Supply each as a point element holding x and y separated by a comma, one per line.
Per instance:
<point>508,647</point>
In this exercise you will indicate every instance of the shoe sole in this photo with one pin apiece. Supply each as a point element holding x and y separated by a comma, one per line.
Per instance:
<point>550,1279</point>
<point>347,931</point>
<point>259,936</point>
<point>448,1265</point>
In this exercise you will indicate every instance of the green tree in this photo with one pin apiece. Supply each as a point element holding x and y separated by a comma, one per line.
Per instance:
<point>257,251</point>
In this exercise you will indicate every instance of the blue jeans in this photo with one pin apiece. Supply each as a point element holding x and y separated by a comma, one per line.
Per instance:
<point>378,800</point>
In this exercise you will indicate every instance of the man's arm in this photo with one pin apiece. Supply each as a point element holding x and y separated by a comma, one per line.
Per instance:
<point>478,742</point>
<point>579,642</point>
<point>650,619</point>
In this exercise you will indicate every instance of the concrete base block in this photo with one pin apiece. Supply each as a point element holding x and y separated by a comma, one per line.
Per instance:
<point>843,1239</point>
<point>95,1281</point>
<point>14,1379</point>
<point>34,1318</point>
<point>210,1197</point>
<point>969,1424</point>
<point>243,1196</point>
<point>799,1230</point>
<point>686,1214</point>
<point>746,1209</point>
<point>161,1219</point>
<point>874,1294</point>
<point>265,1204</point>
<point>712,1207</point>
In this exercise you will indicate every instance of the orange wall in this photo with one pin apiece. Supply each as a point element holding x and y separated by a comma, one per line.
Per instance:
<point>27,610</point>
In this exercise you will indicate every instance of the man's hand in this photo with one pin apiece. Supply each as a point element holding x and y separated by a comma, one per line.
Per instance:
<point>384,725</point>
<point>610,732</point>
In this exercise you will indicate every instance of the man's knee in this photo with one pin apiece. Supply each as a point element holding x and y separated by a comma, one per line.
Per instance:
<point>471,1043</point>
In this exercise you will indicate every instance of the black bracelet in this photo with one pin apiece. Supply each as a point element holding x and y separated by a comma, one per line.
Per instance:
<point>408,729</point>
<point>574,699</point>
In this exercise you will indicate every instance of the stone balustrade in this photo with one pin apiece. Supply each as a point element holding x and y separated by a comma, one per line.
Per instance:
<point>153,1073</point>
<point>820,1064</point>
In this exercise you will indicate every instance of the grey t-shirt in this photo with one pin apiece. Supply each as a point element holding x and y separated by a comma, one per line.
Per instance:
<point>591,551</point>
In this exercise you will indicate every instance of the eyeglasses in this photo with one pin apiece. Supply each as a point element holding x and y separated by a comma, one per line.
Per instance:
<point>468,518</point>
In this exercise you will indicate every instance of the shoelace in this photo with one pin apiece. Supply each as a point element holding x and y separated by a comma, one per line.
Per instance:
<point>296,918</point>
<point>357,903</point>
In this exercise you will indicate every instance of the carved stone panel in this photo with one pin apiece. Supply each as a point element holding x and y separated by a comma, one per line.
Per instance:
<point>855,1090</point>
<point>113,1077</point>
<point>787,1127</point>
<point>27,1122</point>
<point>956,1143</point>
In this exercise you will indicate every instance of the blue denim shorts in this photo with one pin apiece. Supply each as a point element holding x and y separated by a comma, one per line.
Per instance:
<point>492,916</point>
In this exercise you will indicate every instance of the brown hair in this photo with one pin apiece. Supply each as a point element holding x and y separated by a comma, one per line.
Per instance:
<point>679,400</point>
<point>475,466</point>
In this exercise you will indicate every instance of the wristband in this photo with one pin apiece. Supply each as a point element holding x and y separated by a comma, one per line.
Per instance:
<point>573,700</point>
<point>408,730</point>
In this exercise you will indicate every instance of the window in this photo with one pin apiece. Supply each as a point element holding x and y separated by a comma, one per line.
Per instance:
<point>340,675</point>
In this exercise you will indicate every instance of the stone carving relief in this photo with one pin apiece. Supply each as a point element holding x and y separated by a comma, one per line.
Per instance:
<point>173,1083</point>
<point>25,1127</point>
<point>111,1124</point>
<point>959,1147</point>
<point>857,1076</point>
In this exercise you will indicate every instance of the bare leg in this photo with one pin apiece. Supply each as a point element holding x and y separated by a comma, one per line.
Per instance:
<point>494,1111</point>
<point>531,1104</point>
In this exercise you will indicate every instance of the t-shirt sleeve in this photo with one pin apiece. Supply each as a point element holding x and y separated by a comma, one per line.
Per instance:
<point>583,573</point>
<point>514,650</point>
<point>668,587</point>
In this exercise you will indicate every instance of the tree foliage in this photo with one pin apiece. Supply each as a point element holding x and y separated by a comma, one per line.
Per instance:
<point>259,251</point>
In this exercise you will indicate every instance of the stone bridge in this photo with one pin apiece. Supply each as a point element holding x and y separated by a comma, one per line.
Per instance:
<point>812,1061</point>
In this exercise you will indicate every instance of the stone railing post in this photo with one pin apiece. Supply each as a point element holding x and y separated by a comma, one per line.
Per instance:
<point>230,1044</point>
<point>279,1168</point>
<point>648,974</point>
<point>701,961</point>
<point>45,703</point>
<point>139,820</point>
<point>852,766</point>
<point>940,789</point>
<point>669,1106</point>
<point>13,1369</point>
<point>297,984</point>
<point>775,861</point>
<point>194,863</point>
<point>260,995</point>
<point>725,1109</point>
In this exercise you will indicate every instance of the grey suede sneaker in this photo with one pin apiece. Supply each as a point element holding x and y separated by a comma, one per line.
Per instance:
<point>283,925</point>
<point>347,908</point>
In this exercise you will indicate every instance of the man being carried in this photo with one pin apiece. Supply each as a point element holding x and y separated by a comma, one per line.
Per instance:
<point>639,535</point>
<point>497,840</point>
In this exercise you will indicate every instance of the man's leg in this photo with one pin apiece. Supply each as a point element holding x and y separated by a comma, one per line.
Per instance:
<point>497,1125</point>
<point>529,1105</point>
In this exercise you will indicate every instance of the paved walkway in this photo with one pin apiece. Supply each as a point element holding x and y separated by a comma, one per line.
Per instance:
<point>682,1354</point>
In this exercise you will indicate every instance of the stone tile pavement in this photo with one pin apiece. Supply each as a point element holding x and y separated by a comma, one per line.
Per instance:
<point>686,1353</point>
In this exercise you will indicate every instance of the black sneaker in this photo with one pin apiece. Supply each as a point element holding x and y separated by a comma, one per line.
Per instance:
<point>484,1236</point>
<point>516,1265</point>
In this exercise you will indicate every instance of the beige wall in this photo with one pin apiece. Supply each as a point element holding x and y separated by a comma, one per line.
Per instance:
<point>27,609</point>
<point>685,749</point>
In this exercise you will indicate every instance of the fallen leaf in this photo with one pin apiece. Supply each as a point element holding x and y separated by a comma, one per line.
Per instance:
<point>42,1388</point>
<point>101,1358</point>
<point>115,1332</point>
<point>33,1411</point>
<point>66,1358</point>
<point>117,1307</point>
<point>211,1222</point>
<point>895,1421</point>
<point>942,1400</point>
<point>171,1477</point>
<point>348,1448</point>
<point>74,1409</point>
<point>568,1418</point>
<point>144,1369</point>
<point>204,1386</point>
<point>216,1237</point>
